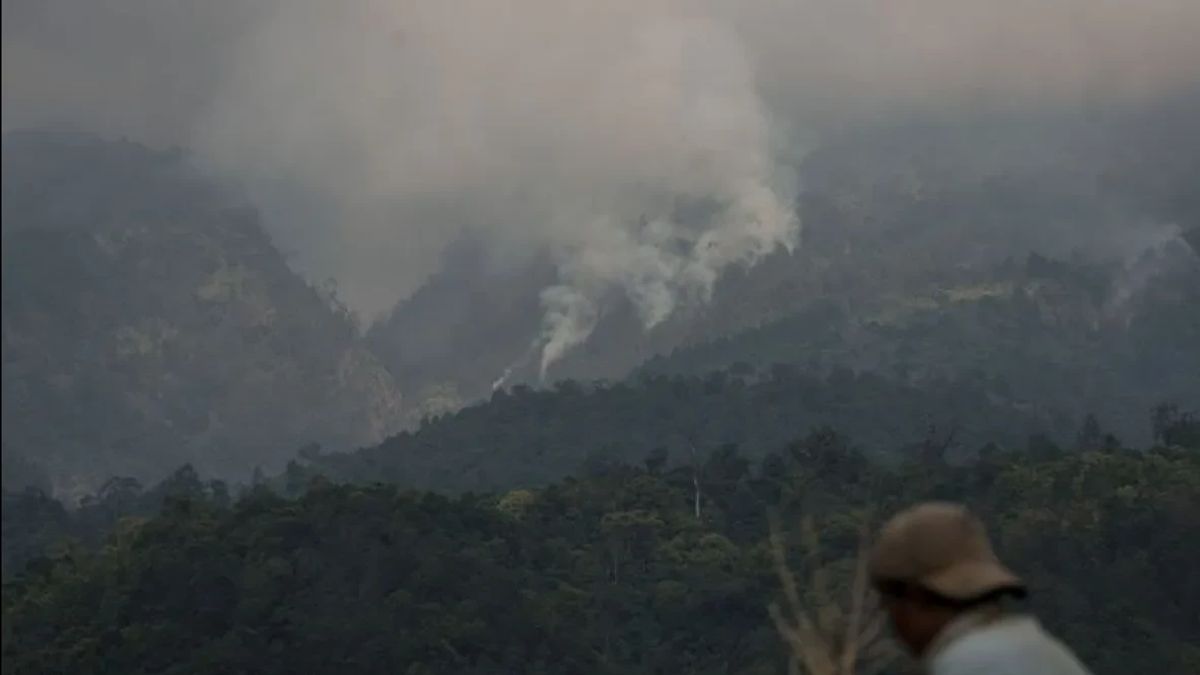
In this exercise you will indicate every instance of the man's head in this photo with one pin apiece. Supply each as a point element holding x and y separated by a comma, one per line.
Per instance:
<point>931,563</point>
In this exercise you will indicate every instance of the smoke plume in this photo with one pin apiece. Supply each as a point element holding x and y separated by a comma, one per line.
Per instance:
<point>644,145</point>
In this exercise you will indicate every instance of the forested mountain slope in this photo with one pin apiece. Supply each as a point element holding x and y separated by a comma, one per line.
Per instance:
<point>610,572</point>
<point>524,437</point>
<point>894,219</point>
<point>1059,337</point>
<point>148,321</point>
<point>458,333</point>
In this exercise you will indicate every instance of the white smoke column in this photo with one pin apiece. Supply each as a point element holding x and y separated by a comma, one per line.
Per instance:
<point>626,138</point>
<point>704,139</point>
<point>661,264</point>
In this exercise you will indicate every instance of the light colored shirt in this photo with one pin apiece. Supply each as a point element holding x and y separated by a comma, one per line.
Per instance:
<point>990,643</point>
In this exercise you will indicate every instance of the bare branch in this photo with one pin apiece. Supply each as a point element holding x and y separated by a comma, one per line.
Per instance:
<point>825,639</point>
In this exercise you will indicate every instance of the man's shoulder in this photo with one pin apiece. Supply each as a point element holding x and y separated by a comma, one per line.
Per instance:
<point>1011,646</point>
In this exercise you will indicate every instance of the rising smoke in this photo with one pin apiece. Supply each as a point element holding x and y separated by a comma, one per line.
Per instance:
<point>580,128</point>
<point>644,145</point>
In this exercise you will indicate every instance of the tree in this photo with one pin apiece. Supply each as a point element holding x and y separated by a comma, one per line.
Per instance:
<point>1090,437</point>
<point>656,460</point>
<point>1173,428</point>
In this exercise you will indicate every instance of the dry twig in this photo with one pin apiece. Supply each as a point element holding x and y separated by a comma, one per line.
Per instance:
<point>823,638</point>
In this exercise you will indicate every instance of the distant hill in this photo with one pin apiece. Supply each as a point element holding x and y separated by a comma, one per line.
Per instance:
<point>456,335</point>
<point>1062,338</point>
<point>890,216</point>
<point>148,321</point>
<point>525,437</point>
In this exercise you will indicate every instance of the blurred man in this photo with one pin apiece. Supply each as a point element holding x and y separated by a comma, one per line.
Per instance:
<point>946,591</point>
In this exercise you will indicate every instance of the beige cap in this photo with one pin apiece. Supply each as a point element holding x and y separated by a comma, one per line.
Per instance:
<point>943,548</point>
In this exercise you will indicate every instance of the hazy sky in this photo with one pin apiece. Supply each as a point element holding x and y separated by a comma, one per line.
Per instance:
<point>372,132</point>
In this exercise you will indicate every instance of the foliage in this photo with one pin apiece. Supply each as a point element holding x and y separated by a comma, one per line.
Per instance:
<point>148,320</point>
<point>1065,338</point>
<point>610,572</point>
<point>35,523</point>
<point>525,437</point>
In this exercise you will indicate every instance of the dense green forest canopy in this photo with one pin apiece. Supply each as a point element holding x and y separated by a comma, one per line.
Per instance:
<point>1063,337</point>
<point>524,437</point>
<point>613,571</point>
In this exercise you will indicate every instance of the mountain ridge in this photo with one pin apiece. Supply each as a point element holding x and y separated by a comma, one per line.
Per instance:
<point>149,320</point>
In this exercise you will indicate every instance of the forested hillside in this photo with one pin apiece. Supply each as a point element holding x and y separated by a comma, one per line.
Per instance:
<point>628,568</point>
<point>489,338</point>
<point>1064,338</point>
<point>148,321</point>
<point>524,437</point>
<point>1066,237</point>
<point>469,307</point>
<point>608,526</point>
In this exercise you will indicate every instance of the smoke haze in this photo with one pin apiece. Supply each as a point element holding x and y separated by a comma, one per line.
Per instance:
<point>645,146</point>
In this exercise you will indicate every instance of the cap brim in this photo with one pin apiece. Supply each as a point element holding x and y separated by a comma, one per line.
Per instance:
<point>972,579</point>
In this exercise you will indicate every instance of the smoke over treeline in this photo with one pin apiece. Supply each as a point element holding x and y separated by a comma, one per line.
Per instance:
<point>645,146</point>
